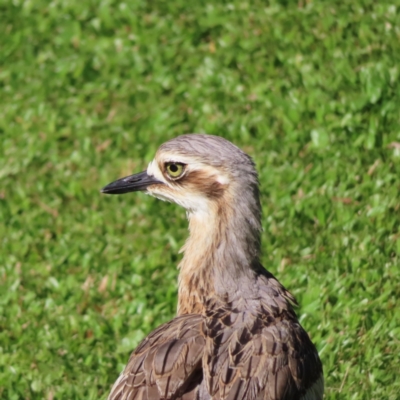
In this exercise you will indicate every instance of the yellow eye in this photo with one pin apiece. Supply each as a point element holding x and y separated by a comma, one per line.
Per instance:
<point>174,170</point>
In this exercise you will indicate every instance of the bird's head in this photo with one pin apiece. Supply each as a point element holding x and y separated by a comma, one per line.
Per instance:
<point>195,171</point>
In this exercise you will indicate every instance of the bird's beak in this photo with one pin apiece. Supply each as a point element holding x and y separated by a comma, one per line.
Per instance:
<point>132,183</point>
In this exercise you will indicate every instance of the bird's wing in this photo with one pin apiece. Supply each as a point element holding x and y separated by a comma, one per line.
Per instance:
<point>166,364</point>
<point>256,358</point>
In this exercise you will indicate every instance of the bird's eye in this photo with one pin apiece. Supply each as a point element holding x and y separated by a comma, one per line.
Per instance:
<point>174,170</point>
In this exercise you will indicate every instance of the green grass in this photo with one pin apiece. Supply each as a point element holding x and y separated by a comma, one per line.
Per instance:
<point>89,89</point>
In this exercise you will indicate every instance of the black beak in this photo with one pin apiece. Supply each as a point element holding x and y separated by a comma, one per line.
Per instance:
<point>132,183</point>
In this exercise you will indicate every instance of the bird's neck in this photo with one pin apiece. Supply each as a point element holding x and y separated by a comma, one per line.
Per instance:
<point>219,255</point>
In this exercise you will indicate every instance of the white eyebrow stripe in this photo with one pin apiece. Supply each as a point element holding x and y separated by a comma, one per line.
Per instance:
<point>153,170</point>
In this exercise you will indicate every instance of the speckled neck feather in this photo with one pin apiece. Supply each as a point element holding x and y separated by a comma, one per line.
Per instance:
<point>222,251</point>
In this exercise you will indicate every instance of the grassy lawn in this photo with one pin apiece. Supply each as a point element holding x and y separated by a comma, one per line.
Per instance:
<point>90,89</point>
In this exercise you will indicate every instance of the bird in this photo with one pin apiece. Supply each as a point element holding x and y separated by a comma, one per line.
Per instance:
<point>236,335</point>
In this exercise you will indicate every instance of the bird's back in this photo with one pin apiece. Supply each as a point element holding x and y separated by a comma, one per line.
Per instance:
<point>247,349</point>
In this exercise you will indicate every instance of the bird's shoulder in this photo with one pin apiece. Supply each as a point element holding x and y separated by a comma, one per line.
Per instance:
<point>166,364</point>
<point>260,353</point>
<point>272,359</point>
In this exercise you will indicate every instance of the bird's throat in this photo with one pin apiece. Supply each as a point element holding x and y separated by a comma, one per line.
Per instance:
<point>218,259</point>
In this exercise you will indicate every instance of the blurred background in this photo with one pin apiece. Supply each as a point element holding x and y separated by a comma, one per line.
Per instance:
<point>90,89</point>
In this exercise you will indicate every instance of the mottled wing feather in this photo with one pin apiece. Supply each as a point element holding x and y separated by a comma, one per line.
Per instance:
<point>255,350</point>
<point>166,364</point>
<point>259,358</point>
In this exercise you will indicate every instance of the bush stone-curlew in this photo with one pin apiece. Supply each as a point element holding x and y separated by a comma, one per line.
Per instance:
<point>236,335</point>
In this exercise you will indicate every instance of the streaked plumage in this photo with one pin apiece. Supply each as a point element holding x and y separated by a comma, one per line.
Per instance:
<point>236,335</point>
